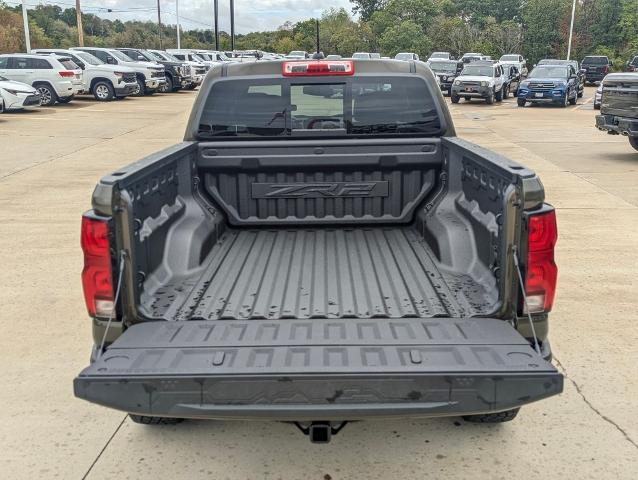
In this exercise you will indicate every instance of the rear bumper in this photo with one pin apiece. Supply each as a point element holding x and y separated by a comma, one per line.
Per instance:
<point>617,125</point>
<point>594,77</point>
<point>320,397</point>
<point>318,370</point>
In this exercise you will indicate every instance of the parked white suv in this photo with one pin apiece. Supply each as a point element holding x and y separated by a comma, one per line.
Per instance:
<point>517,60</point>
<point>104,82</point>
<point>17,95</point>
<point>185,55</point>
<point>149,75</point>
<point>57,79</point>
<point>197,69</point>
<point>481,79</point>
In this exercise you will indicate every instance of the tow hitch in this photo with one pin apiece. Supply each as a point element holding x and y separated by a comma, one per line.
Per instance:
<point>320,432</point>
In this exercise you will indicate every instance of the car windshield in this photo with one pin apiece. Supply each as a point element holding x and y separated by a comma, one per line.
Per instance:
<point>160,56</point>
<point>439,55</point>
<point>120,56</point>
<point>361,55</point>
<point>595,61</point>
<point>198,58</point>
<point>634,61</point>
<point>378,106</point>
<point>478,70</point>
<point>88,58</point>
<point>443,66</point>
<point>549,72</point>
<point>205,56</point>
<point>509,58</point>
<point>403,56</point>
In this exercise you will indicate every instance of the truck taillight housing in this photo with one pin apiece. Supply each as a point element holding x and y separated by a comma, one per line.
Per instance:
<point>97,275</point>
<point>311,68</point>
<point>66,73</point>
<point>541,271</point>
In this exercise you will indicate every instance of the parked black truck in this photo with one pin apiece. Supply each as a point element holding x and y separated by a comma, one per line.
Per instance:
<point>320,248</point>
<point>619,106</point>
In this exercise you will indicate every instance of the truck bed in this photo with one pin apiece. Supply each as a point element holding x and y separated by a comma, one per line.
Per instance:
<point>302,273</point>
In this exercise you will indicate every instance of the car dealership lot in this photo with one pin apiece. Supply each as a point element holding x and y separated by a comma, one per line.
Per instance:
<point>49,163</point>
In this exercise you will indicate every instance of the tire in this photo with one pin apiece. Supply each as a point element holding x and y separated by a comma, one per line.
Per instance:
<point>521,102</point>
<point>596,106</point>
<point>490,100</point>
<point>48,95</point>
<point>500,417</point>
<point>633,141</point>
<point>572,101</point>
<point>149,91</point>
<point>141,88</point>
<point>498,96</point>
<point>506,92</point>
<point>65,99</point>
<point>146,420</point>
<point>168,87</point>
<point>455,98</point>
<point>103,91</point>
<point>192,86</point>
<point>581,92</point>
<point>564,103</point>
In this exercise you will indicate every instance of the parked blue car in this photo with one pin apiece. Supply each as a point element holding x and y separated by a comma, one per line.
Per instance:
<point>557,84</point>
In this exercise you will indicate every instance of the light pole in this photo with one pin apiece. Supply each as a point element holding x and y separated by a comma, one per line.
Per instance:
<point>216,19</point>
<point>232,25</point>
<point>571,31</point>
<point>177,14</point>
<point>159,22</point>
<point>78,16</point>
<point>25,19</point>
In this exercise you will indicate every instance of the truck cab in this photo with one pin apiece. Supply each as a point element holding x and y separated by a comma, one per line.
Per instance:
<point>320,248</point>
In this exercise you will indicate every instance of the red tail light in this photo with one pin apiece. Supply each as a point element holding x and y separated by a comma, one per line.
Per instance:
<point>605,69</point>
<point>66,73</point>
<point>541,272</point>
<point>97,277</point>
<point>310,68</point>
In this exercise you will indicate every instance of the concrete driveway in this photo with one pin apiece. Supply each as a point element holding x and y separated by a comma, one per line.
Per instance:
<point>50,160</point>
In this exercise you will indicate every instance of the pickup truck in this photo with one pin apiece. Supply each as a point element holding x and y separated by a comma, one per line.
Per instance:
<point>619,106</point>
<point>320,248</point>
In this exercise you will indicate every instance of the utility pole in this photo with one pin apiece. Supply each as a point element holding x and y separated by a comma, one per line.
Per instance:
<point>216,17</point>
<point>571,31</point>
<point>25,19</point>
<point>177,14</point>
<point>78,16</point>
<point>159,22</point>
<point>232,25</point>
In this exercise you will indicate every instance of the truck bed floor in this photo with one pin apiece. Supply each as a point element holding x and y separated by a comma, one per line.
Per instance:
<point>321,273</point>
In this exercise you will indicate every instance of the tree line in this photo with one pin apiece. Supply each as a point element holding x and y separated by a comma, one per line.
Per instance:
<point>535,28</point>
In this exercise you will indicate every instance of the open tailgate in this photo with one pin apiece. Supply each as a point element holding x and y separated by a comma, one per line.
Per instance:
<point>329,369</point>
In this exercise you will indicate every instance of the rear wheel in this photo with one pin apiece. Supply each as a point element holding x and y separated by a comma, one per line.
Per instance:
<point>633,141</point>
<point>499,95</point>
<point>47,94</point>
<point>506,91</point>
<point>103,91</point>
<point>521,102</point>
<point>500,417</point>
<point>146,420</point>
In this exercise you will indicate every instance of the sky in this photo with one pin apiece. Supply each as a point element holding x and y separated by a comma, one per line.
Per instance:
<point>250,15</point>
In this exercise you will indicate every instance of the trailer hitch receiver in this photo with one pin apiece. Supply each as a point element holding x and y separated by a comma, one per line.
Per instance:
<point>320,431</point>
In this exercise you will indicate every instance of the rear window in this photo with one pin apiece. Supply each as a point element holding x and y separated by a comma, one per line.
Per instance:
<point>356,106</point>
<point>595,61</point>
<point>69,64</point>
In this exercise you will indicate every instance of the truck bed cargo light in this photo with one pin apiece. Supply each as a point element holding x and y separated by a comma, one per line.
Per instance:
<point>309,68</point>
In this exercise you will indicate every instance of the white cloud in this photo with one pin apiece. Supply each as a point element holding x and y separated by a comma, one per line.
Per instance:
<point>250,16</point>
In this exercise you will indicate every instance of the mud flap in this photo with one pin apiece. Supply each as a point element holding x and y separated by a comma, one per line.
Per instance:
<point>319,369</point>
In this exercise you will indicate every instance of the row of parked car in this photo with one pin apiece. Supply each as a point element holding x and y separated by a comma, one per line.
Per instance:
<point>49,76</point>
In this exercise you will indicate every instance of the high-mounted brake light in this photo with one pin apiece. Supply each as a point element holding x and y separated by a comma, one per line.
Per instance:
<point>66,73</point>
<point>541,271</point>
<point>97,276</point>
<point>311,68</point>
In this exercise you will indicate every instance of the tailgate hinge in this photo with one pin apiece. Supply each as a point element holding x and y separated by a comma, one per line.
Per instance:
<point>522,285</point>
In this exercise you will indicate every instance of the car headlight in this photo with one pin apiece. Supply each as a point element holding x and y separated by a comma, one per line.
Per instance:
<point>118,74</point>
<point>483,84</point>
<point>457,82</point>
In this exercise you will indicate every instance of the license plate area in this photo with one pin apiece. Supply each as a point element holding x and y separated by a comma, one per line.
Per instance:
<point>539,94</point>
